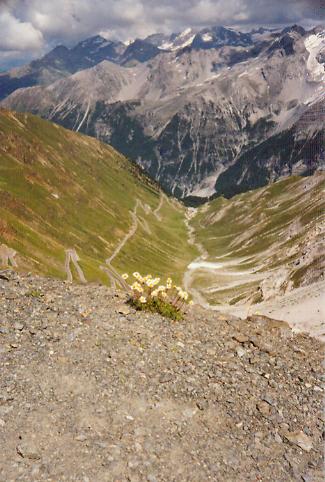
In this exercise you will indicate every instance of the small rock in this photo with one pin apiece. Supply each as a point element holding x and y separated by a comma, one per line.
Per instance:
<point>268,398</point>
<point>189,412</point>
<point>165,377</point>
<point>241,338</point>
<point>123,310</point>
<point>18,326</point>
<point>81,437</point>
<point>3,331</point>
<point>211,351</point>
<point>240,352</point>
<point>28,451</point>
<point>152,478</point>
<point>318,389</point>
<point>264,408</point>
<point>300,439</point>
<point>202,404</point>
<point>2,423</point>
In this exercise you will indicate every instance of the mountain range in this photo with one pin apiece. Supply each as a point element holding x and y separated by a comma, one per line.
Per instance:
<point>203,112</point>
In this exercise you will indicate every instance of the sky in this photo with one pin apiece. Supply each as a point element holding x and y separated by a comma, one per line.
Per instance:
<point>29,28</point>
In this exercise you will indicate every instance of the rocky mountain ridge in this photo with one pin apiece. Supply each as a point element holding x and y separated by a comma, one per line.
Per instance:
<point>225,118</point>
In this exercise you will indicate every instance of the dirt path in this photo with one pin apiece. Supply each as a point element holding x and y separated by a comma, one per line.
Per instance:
<point>71,256</point>
<point>130,233</point>
<point>115,278</point>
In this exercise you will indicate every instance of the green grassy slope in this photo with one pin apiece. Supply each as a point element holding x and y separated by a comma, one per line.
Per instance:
<point>258,233</point>
<point>61,190</point>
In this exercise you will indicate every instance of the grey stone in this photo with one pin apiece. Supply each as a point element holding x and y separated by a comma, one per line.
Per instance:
<point>18,326</point>
<point>300,439</point>
<point>28,450</point>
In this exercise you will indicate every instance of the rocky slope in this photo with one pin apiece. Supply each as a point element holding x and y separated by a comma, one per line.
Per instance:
<point>93,391</point>
<point>205,111</point>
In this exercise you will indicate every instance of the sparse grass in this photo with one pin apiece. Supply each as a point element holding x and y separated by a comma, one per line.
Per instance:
<point>61,190</point>
<point>34,293</point>
<point>259,229</point>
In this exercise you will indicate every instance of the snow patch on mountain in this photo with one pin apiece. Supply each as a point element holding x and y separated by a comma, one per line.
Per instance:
<point>207,37</point>
<point>182,40</point>
<point>314,44</point>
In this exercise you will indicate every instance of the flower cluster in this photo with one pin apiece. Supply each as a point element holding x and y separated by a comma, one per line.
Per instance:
<point>147,293</point>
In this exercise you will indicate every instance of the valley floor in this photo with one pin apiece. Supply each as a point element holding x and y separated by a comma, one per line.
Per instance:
<point>91,390</point>
<point>263,252</point>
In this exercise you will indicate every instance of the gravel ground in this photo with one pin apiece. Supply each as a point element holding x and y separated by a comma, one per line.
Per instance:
<point>92,391</point>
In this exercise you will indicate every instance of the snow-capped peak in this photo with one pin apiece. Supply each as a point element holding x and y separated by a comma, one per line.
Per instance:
<point>314,44</point>
<point>179,41</point>
<point>185,33</point>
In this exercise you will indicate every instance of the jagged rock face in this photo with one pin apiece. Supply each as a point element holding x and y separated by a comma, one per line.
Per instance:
<point>220,36</point>
<point>220,117</point>
<point>298,150</point>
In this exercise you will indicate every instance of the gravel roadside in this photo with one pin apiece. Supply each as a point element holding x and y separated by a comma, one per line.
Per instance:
<point>91,390</point>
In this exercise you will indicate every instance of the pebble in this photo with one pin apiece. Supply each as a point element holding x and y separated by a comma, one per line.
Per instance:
<point>241,338</point>
<point>123,310</point>
<point>301,439</point>
<point>28,451</point>
<point>240,352</point>
<point>165,377</point>
<point>81,437</point>
<point>264,408</point>
<point>18,326</point>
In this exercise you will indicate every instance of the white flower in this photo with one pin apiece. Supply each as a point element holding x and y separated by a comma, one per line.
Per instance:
<point>125,276</point>
<point>137,287</point>
<point>142,299</point>
<point>154,293</point>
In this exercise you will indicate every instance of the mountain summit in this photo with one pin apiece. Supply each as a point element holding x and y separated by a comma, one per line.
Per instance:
<point>214,111</point>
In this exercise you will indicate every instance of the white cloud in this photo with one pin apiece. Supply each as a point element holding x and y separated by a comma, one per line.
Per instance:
<point>18,35</point>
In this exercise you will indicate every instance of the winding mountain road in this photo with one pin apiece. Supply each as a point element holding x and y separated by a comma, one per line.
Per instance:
<point>302,308</point>
<point>114,277</point>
